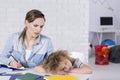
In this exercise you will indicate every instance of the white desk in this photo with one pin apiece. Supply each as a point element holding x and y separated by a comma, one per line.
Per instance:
<point>79,76</point>
<point>97,32</point>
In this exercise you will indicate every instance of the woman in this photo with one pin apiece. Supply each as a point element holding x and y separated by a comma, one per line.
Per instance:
<point>28,48</point>
<point>60,62</point>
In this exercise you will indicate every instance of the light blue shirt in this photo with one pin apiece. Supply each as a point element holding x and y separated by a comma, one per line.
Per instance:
<point>15,47</point>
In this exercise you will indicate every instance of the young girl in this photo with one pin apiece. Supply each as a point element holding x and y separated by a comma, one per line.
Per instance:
<point>60,62</point>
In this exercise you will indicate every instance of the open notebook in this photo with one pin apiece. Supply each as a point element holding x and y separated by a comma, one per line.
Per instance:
<point>4,69</point>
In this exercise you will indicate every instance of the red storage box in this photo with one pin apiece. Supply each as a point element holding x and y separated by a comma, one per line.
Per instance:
<point>101,54</point>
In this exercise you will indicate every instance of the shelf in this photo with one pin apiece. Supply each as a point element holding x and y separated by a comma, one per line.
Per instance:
<point>100,32</point>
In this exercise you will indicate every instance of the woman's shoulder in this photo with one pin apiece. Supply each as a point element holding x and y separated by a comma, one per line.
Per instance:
<point>44,37</point>
<point>16,34</point>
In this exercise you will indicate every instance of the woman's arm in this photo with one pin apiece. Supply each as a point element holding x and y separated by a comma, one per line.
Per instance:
<point>7,50</point>
<point>83,69</point>
<point>39,69</point>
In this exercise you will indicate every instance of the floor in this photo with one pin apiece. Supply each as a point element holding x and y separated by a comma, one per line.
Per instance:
<point>104,72</point>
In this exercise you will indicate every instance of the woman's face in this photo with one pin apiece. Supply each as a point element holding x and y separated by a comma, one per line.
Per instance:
<point>34,28</point>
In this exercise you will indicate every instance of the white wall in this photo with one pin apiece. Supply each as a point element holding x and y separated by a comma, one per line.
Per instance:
<point>100,8</point>
<point>67,21</point>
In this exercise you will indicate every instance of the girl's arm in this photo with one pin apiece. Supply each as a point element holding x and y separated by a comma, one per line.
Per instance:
<point>39,69</point>
<point>83,69</point>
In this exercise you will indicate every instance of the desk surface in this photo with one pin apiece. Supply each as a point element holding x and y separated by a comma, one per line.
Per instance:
<point>79,76</point>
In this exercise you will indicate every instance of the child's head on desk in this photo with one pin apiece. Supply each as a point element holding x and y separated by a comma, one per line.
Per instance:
<point>59,62</point>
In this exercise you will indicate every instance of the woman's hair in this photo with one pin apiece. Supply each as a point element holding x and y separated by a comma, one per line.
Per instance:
<point>30,17</point>
<point>53,60</point>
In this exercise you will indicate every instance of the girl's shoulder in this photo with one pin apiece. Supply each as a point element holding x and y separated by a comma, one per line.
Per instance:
<point>76,62</point>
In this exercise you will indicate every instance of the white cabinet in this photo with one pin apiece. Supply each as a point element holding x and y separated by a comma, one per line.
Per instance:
<point>99,34</point>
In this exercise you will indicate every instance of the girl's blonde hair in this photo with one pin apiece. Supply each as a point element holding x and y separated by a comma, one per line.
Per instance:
<point>52,62</point>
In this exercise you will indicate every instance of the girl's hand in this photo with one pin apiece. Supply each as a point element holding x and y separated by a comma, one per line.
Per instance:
<point>39,69</point>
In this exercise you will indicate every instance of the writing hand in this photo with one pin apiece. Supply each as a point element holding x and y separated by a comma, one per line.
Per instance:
<point>15,64</point>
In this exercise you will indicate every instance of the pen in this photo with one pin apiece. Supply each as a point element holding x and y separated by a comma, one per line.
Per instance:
<point>14,58</point>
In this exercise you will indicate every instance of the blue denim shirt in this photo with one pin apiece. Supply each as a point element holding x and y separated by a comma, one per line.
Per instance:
<point>15,47</point>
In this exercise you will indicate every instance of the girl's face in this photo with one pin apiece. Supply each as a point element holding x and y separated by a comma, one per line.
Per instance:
<point>34,28</point>
<point>65,65</point>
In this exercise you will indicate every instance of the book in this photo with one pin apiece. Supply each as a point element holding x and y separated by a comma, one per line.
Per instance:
<point>14,76</point>
<point>61,77</point>
<point>4,70</point>
<point>30,76</point>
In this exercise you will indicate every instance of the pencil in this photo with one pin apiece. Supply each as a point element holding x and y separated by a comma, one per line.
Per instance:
<point>14,58</point>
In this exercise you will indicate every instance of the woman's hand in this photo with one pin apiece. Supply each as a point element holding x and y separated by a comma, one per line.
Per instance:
<point>15,64</point>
